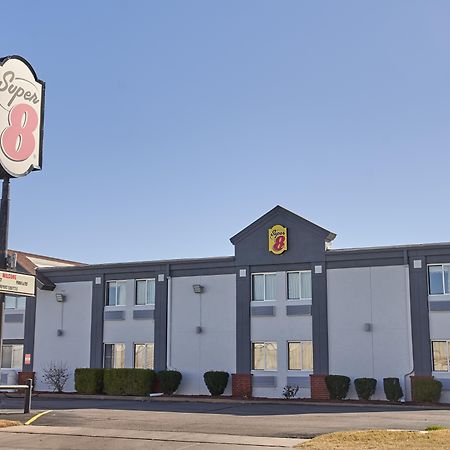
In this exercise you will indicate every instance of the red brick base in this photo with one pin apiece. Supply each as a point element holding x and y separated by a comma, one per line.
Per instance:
<point>418,377</point>
<point>319,389</point>
<point>24,376</point>
<point>241,384</point>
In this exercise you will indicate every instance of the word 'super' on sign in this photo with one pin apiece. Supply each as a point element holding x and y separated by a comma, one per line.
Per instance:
<point>17,283</point>
<point>21,117</point>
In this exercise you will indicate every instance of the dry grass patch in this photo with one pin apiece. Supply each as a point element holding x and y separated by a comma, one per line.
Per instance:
<point>9,423</point>
<point>381,439</point>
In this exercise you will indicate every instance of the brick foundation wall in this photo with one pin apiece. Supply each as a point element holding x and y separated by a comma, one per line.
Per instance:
<point>319,389</point>
<point>24,376</point>
<point>241,384</point>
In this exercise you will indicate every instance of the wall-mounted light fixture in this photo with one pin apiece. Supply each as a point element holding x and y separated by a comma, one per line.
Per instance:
<point>368,327</point>
<point>199,330</point>
<point>60,297</point>
<point>59,332</point>
<point>198,288</point>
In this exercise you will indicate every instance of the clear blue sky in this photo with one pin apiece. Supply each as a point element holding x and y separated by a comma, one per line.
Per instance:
<point>171,125</point>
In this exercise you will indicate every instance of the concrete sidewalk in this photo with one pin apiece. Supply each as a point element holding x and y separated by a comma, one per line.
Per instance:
<point>161,436</point>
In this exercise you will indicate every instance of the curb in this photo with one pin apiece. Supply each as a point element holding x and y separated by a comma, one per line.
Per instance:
<point>239,401</point>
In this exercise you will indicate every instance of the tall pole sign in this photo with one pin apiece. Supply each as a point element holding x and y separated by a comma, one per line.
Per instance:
<point>21,133</point>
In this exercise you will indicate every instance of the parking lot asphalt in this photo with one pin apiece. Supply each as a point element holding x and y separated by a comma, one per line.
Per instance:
<point>284,420</point>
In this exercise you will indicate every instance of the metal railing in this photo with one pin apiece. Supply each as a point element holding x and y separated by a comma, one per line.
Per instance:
<point>28,389</point>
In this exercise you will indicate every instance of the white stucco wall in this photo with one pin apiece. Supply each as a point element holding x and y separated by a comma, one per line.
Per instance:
<point>281,329</point>
<point>73,317</point>
<point>375,295</point>
<point>129,331</point>
<point>214,348</point>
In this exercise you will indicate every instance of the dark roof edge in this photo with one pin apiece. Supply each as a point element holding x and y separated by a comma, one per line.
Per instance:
<point>329,236</point>
<point>425,246</point>
<point>156,263</point>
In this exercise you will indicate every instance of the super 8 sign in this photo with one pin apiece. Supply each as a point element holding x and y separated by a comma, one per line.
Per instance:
<point>277,239</point>
<point>21,117</point>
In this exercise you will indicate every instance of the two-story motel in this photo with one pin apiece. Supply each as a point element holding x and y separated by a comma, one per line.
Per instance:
<point>286,309</point>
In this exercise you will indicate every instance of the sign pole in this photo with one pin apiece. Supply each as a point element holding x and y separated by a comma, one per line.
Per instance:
<point>4,220</point>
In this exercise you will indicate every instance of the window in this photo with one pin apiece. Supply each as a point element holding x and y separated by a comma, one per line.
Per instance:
<point>143,356</point>
<point>263,286</point>
<point>145,292</point>
<point>300,355</point>
<point>114,356</point>
<point>438,279</point>
<point>440,356</point>
<point>15,302</point>
<point>116,293</point>
<point>12,356</point>
<point>264,356</point>
<point>299,285</point>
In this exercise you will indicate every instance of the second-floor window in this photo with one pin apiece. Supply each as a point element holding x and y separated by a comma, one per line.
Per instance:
<point>116,294</point>
<point>12,302</point>
<point>438,279</point>
<point>263,286</point>
<point>299,285</point>
<point>145,292</point>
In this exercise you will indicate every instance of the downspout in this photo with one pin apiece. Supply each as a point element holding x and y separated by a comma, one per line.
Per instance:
<point>169,323</point>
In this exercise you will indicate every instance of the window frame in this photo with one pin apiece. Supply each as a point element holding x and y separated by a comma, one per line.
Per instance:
<point>442,278</point>
<point>447,342</point>
<point>16,298</point>
<point>134,355</point>
<point>146,291</point>
<point>113,358</point>
<point>252,287</point>
<point>265,356</point>
<point>301,356</point>
<point>20,367</point>
<point>300,284</point>
<point>107,294</point>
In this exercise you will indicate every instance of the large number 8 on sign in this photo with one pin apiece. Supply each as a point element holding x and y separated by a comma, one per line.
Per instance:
<point>17,140</point>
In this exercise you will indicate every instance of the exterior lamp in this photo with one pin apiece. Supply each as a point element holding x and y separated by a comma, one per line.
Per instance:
<point>198,288</point>
<point>60,297</point>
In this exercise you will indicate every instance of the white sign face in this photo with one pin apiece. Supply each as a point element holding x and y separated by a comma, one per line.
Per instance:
<point>17,283</point>
<point>21,117</point>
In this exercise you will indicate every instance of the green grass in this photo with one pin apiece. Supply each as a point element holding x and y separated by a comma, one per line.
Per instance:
<point>435,427</point>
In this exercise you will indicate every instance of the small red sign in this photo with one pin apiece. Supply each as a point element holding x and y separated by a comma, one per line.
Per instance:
<point>27,359</point>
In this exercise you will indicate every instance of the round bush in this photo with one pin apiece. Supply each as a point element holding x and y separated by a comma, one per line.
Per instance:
<point>216,381</point>
<point>337,386</point>
<point>365,387</point>
<point>169,381</point>
<point>392,389</point>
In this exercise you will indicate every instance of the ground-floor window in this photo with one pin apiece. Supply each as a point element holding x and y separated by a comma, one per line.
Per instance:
<point>12,356</point>
<point>264,355</point>
<point>143,356</point>
<point>114,356</point>
<point>300,355</point>
<point>440,355</point>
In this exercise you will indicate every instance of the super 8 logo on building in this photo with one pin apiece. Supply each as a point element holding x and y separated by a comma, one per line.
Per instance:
<point>277,239</point>
<point>21,117</point>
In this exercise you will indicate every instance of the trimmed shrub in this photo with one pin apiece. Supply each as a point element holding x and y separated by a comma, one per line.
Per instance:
<point>392,389</point>
<point>337,386</point>
<point>216,381</point>
<point>128,381</point>
<point>365,387</point>
<point>427,390</point>
<point>169,381</point>
<point>89,381</point>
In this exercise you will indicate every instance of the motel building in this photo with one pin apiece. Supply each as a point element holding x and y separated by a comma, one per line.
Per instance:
<point>286,309</point>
